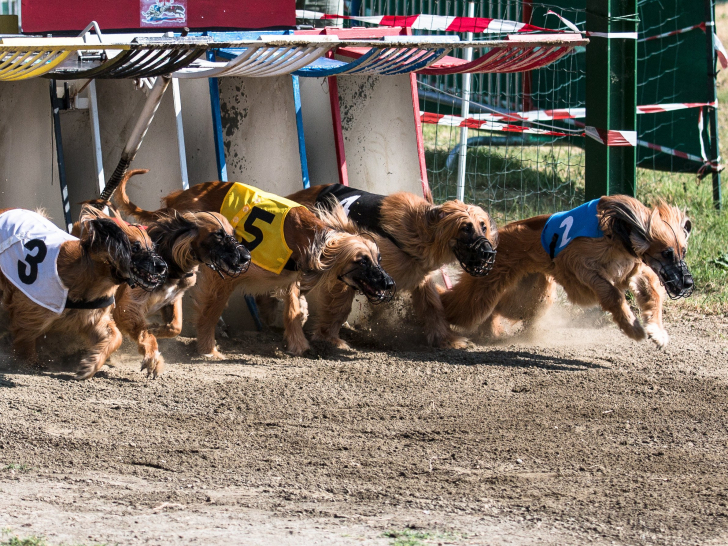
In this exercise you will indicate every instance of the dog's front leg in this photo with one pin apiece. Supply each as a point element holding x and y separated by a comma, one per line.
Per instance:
<point>613,301</point>
<point>172,314</point>
<point>428,306</point>
<point>293,322</point>
<point>334,310</point>
<point>650,297</point>
<point>102,334</point>
<point>210,295</point>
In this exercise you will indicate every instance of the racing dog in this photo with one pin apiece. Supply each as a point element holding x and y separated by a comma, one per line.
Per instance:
<point>51,280</point>
<point>415,238</point>
<point>185,240</point>
<point>596,252</point>
<point>292,250</point>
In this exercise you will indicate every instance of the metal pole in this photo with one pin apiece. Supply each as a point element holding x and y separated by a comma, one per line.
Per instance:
<point>137,135</point>
<point>56,105</point>
<point>177,99</point>
<point>611,96</point>
<point>712,113</point>
<point>464,112</point>
<point>93,109</point>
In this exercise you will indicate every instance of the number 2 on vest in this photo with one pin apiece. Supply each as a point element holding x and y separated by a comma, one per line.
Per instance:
<point>568,222</point>
<point>29,277</point>
<point>256,214</point>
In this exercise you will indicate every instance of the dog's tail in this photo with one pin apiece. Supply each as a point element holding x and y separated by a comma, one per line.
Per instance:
<point>122,202</point>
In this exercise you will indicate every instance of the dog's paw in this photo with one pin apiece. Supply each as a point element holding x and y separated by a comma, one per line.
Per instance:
<point>635,331</point>
<point>87,369</point>
<point>454,341</point>
<point>214,355</point>
<point>154,365</point>
<point>658,335</point>
<point>298,347</point>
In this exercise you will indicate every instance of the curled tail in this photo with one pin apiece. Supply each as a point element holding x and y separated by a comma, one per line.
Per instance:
<point>122,202</point>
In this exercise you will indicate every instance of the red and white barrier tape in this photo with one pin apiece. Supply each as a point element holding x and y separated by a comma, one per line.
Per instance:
<point>612,138</point>
<point>483,125</point>
<point>608,138</point>
<point>433,22</point>
<point>569,113</point>
<point>673,32</point>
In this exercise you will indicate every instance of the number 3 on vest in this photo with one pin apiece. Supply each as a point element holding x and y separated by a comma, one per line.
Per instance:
<point>29,277</point>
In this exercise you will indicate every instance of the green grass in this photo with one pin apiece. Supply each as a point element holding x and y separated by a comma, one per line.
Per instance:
<point>410,537</point>
<point>16,466</point>
<point>7,538</point>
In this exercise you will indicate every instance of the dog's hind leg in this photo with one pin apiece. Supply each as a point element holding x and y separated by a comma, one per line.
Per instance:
<point>210,295</point>
<point>650,297</point>
<point>293,322</point>
<point>172,315</point>
<point>428,306</point>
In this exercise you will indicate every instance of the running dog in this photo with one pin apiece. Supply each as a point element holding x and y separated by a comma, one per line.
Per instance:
<point>596,252</point>
<point>51,280</point>
<point>185,240</point>
<point>292,250</point>
<point>415,238</point>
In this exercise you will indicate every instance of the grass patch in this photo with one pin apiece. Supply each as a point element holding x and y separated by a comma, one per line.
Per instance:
<point>7,538</point>
<point>412,537</point>
<point>16,467</point>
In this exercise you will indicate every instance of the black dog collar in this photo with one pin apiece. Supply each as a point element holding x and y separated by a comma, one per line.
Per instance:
<point>99,303</point>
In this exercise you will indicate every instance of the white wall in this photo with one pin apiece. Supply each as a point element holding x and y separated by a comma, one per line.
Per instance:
<point>28,171</point>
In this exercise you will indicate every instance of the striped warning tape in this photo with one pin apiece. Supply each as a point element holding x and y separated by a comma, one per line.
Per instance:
<point>608,138</point>
<point>564,113</point>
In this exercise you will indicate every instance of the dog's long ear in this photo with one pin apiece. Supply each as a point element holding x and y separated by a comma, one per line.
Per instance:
<point>687,226</point>
<point>434,215</point>
<point>622,219</point>
<point>103,238</point>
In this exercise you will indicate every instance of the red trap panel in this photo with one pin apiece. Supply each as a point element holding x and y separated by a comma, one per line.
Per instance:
<point>41,16</point>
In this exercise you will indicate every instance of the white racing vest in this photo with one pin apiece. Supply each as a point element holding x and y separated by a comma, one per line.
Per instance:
<point>29,247</point>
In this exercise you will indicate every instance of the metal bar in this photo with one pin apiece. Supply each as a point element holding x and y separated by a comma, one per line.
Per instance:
<point>217,124</point>
<point>299,130</point>
<point>611,96</point>
<point>338,130</point>
<point>93,110</point>
<point>137,135</point>
<point>177,99</point>
<point>465,112</point>
<point>56,105</point>
<point>712,113</point>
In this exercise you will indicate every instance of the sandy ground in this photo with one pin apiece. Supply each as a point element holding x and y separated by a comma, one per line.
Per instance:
<point>578,436</point>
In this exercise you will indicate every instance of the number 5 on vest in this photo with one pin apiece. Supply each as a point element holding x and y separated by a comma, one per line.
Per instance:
<point>252,229</point>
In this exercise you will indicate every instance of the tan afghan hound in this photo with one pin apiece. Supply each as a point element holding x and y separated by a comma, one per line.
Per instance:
<point>630,248</point>
<point>328,252</point>
<point>415,238</point>
<point>185,240</point>
<point>90,269</point>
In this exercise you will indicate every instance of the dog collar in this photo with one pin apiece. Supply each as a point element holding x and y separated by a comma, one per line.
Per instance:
<point>99,303</point>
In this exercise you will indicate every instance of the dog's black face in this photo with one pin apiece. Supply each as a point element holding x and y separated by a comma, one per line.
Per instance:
<point>148,269</point>
<point>673,272</point>
<point>128,251</point>
<point>473,250</point>
<point>222,253</point>
<point>371,280</point>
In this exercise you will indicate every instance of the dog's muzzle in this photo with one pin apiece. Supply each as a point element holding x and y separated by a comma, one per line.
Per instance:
<point>148,271</point>
<point>233,260</point>
<point>476,258</point>
<point>374,283</point>
<point>676,278</point>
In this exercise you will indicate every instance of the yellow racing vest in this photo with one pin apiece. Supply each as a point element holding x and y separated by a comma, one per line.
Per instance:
<point>257,217</point>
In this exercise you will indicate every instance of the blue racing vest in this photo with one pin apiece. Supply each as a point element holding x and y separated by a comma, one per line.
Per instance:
<point>563,227</point>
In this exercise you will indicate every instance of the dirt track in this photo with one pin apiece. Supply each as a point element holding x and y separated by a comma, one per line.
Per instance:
<point>584,437</point>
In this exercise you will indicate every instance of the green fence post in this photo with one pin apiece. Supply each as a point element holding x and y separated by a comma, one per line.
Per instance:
<point>712,113</point>
<point>611,95</point>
